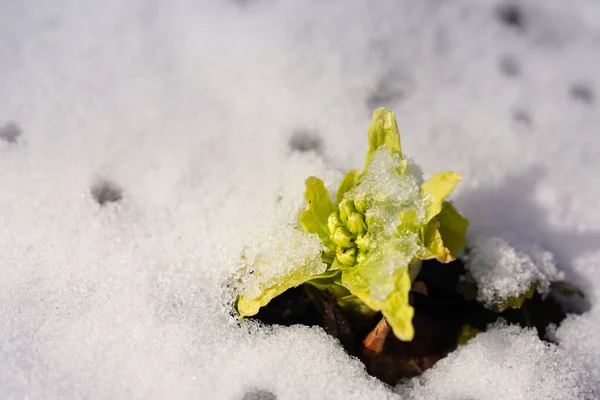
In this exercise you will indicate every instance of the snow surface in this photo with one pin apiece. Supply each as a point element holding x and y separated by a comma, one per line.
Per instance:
<point>186,110</point>
<point>499,353</point>
<point>502,272</point>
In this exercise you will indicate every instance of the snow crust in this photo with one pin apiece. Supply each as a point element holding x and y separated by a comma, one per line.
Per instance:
<point>184,111</point>
<point>501,271</point>
<point>505,362</point>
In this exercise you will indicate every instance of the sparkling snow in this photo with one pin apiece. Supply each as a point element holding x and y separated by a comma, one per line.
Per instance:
<point>386,193</point>
<point>144,143</point>
<point>501,271</point>
<point>506,362</point>
<point>270,258</point>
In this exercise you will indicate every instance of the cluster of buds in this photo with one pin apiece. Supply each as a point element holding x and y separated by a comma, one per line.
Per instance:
<point>348,228</point>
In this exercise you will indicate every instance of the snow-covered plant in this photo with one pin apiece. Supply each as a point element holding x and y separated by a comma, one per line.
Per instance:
<point>365,246</point>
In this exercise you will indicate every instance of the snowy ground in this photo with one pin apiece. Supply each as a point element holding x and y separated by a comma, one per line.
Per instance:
<point>186,110</point>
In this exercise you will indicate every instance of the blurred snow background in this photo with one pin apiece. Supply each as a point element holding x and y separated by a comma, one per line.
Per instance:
<point>203,118</point>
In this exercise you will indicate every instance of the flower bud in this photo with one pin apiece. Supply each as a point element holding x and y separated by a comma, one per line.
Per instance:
<point>333,222</point>
<point>360,203</point>
<point>361,256</point>
<point>346,208</point>
<point>343,238</point>
<point>347,257</point>
<point>356,224</point>
<point>369,219</point>
<point>364,243</point>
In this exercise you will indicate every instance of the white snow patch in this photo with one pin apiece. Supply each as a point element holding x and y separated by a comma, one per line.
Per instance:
<point>579,334</point>
<point>501,271</point>
<point>505,362</point>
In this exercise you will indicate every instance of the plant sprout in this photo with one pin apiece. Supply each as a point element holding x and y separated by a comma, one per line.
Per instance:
<point>365,246</point>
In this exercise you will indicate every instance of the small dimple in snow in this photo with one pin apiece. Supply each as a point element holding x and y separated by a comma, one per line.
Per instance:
<point>522,118</point>
<point>582,93</point>
<point>509,66</point>
<point>259,395</point>
<point>105,191</point>
<point>10,132</point>
<point>243,3</point>
<point>389,91</point>
<point>383,96</point>
<point>511,16</point>
<point>303,140</point>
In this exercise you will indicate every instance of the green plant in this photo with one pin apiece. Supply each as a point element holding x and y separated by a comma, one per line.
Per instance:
<point>366,246</point>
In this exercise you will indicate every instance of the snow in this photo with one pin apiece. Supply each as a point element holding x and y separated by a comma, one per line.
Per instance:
<point>492,366</point>
<point>187,110</point>
<point>502,272</point>
<point>386,193</point>
<point>270,258</point>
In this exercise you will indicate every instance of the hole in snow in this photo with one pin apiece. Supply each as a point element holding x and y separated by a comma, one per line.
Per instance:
<point>105,191</point>
<point>259,395</point>
<point>522,118</point>
<point>581,92</point>
<point>243,3</point>
<point>10,132</point>
<point>303,140</point>
<point>383,98</point>
<point>509,66</point>
<point>388,92</point>
<point>511,16</point>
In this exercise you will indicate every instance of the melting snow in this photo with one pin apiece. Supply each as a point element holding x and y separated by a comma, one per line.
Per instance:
<point>386,193</point>
<point>270,257</point>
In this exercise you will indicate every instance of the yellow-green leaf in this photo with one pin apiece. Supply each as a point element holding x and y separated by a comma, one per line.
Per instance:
<point>318,208</point>
<point>397,310</point>
<point>467,332</point>
<point>382,282</point>
<point>248,306</point>
<point>453,228</point>
<point>566,289</point>
<point>436,189</point>
<point>395,306</point>
<point>347,183</point>
<point>516,301</point>
<point>383,131</point>
<point>435,247</point>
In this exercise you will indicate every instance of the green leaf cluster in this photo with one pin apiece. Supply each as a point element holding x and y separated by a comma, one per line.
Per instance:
<point>383,223</point>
